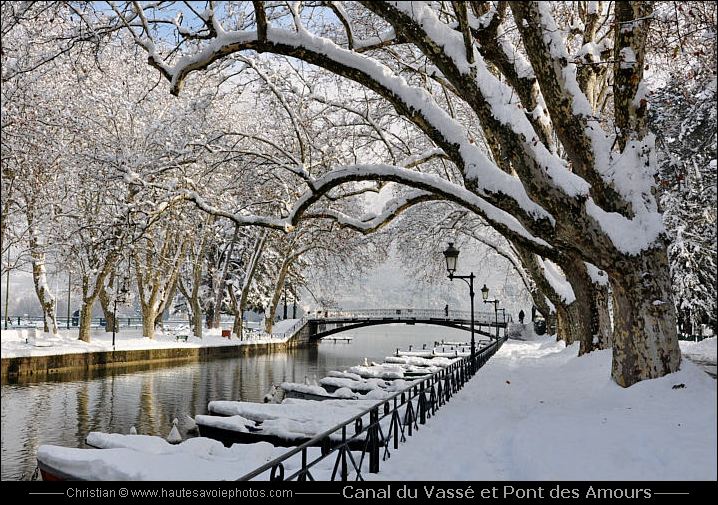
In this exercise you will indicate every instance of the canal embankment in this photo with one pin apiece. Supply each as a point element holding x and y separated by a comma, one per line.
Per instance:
<point>27,353</point>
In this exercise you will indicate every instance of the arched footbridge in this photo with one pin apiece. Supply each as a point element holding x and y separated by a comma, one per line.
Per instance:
<point>324,323</point>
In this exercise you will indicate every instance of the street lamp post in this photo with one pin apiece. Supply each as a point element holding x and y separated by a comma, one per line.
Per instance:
<point>452,255</point>
<point>485,296</point>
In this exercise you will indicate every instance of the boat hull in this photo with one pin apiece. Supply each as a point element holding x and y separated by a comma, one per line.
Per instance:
<point>230,437</point>
<point>52,474</point>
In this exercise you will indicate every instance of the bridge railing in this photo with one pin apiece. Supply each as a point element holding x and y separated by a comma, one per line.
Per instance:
<point>377,430</point>
<point>480,317</point>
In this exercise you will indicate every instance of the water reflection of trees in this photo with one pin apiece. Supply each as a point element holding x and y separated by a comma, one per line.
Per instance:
<point>65,407</point>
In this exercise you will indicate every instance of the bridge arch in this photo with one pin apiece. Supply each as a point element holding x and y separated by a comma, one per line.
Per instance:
<point>485,323</point>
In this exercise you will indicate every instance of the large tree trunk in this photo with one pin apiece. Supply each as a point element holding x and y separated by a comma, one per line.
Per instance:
<point>582,314</point>
<point>238,310</point>
<point>645,343</point>
<point>85,325</point>
<point>90,293</point>
<point>157,280</point>
<point>47,300</point>
<point>272,309</point>
<point>149,319</point>
<point>39,277</point>
<point>222,284</point>
<point>194,308</point>
<point>196,316</point>
<point>238,324</point>
<point>107,307</point>
<point>247,283</point>
<point>602,321</point>
<point>570,321</point>
<point>166,301</point>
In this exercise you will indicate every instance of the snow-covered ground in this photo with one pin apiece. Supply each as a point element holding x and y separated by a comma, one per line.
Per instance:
<point>22,342</point>
<point>536,411</point>
<point>705,350</point>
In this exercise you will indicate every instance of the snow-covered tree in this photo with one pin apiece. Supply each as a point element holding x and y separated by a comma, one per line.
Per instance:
<point>580,186</point>
<point>686,123</point>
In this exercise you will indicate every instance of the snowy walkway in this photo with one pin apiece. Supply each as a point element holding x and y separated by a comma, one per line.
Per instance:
<point>537,412</point>
<point>13,342</point>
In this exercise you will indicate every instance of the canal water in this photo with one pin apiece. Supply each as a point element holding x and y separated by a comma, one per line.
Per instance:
<point>63,409</point>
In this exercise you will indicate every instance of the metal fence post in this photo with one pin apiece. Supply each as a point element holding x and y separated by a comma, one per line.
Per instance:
<point>374,440</point>
<point>345,473</point>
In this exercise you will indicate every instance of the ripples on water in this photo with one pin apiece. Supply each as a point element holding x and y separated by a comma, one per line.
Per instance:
<point>63,409</point>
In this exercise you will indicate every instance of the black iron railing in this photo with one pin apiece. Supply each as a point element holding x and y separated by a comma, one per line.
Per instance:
<point>374,433</point>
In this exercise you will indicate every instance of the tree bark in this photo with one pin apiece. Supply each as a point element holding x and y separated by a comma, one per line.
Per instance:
<point>39,277</point>
<point>272,309</point>
<point>157,279</point>
<point>196,317</point>
<point>107,308</point>
<point>85,324</point>
<point>568,323</point>
<point>149,318</point>
<point>47,301</point>
<point>603,317</point>
<point>247,283</point>
<point>582,317</point>
<point>645,342</point>
<point>222,284</point>
<point>90,294</point>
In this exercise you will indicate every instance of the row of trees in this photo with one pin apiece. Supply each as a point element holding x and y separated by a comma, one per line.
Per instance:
<point>90,172</point>
<point>525,126</point>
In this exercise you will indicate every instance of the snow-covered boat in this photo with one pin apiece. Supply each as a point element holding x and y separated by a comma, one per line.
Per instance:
<point>359,385</point>
<point>291,423</point>
<point>143,457</point>
<point>294,390</point>
<point>416,361</point>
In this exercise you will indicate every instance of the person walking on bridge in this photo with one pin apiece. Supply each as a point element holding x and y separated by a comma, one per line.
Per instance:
<point>521,316</point>
<point>446,310</point>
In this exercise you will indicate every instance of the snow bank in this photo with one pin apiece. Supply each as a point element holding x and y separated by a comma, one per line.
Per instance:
<point>19,342</point>
<point>539,412</point>
<point>705,350</point>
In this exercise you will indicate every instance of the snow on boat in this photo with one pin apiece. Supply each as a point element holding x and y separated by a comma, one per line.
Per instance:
<point>332,384</point>
<point>289,423</point>
<point>420,362</point>
<point>412,371</point>
<point>295,390</point>
<point>141,457</point>
<point>418,354</point>
<point>344,375</point>
<point>378,371</point>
